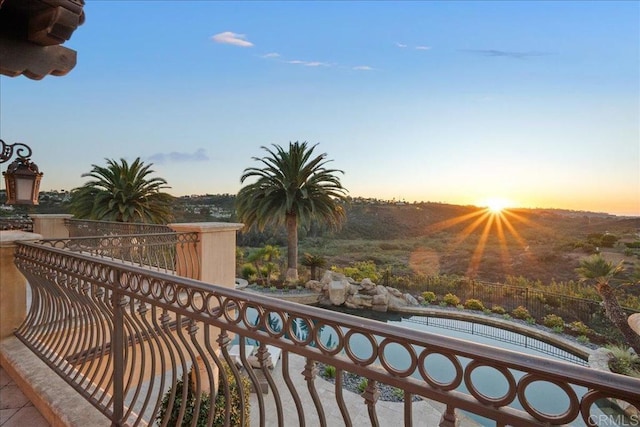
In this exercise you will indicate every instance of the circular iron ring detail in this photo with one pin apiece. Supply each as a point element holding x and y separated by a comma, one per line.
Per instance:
<point>244,314</point>
<point>457,380</point>
<point>288,326</point>
<point>570,414</point>
<point>273,332</point>
<point>340,340</point>
<point>351,354</point>
<point>408,348</point>
<point>229,307</point>
<point>496,402</point>
<point>213,304</point>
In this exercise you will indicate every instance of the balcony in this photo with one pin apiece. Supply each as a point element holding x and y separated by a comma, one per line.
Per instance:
<point>127,317</point>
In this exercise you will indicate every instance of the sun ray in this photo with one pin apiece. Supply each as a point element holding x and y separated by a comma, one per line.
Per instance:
<point>479,250</point>
<point>499,224</point>
<point>505,255</point>
<point>443,225</point>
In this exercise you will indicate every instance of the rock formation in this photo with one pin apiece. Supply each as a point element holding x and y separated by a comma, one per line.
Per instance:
<point>336,289</point>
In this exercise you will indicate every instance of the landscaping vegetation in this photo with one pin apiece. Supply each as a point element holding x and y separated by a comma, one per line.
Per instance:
<point>431,250</point>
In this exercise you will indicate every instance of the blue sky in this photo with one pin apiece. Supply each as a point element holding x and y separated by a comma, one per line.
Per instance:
<point>537,103</point>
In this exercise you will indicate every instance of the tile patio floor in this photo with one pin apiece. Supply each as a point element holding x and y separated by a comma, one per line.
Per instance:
<point>15,409</point>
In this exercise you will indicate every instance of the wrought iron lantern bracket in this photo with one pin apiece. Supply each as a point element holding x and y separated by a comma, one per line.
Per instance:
<point>22,177</point>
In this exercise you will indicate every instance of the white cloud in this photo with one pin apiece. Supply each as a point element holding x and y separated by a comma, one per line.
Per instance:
<point>316,64</point>
<point>362,68</point>
<point>271,55</point>
<point>232,38</point>
<point>308,63</point>
<point>423,47</point>
<point>401,45</point>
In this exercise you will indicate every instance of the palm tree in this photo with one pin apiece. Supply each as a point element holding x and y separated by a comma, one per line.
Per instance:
<point>124,193</point>
<point>601,271</point>
<point>314,262</point>
<point>263,260</point>
<point>293,187</point>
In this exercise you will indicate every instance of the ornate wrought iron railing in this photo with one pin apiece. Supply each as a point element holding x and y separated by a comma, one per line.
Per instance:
<point>174,253</point>
<point>88,228</point>
<point>123,336</point>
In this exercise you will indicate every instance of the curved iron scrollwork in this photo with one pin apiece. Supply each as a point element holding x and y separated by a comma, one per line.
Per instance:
<point>23,151</point>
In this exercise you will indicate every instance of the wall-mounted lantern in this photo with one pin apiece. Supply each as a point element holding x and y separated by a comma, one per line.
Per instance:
<point>22,177</point>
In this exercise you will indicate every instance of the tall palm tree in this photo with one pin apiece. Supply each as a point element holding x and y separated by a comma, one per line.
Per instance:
<point>124,193</point>
<point>292,187</point>
<point>601,271</point>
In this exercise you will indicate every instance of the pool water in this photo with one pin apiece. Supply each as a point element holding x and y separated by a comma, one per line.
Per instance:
<point>486,379</point>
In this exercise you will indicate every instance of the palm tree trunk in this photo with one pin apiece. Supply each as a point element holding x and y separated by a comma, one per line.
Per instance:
<point>617,316</point>
<point>292,248</point>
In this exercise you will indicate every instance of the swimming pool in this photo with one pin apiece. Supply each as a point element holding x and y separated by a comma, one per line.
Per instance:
<point>486,379</point>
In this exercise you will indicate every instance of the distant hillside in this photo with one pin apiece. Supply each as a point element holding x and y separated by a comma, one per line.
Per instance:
<point>432,238</point>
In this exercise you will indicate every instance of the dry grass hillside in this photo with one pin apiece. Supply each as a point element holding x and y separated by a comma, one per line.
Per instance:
<point>432,238</point>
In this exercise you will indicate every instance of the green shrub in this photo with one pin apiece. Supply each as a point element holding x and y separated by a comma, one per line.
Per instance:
<point>486,311</point>
<point>451,299</point>
<point>247,271</point>
<point>429,297</point>
<point>473,304</point>
<point>608,240</point>
<point>360,270</point>
<point>205,403</point>
<point>460,307</point>
<point>530,321</point>
<point>362,385</point>
<point>580,328</point>
<point>553,321</point>
<point>520,312</point>
<point>624,362</point>
<point>498,309</point>
<point>506,316</point>
<point>583,339</point>
<point>330,371</point>
<point>234,393</point>
<point>443,304</point>
<point>398,393</point>
<point>558,329</point>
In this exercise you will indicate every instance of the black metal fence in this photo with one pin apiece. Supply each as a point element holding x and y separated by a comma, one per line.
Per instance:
<point>499,334</point>
<point>538,302</point>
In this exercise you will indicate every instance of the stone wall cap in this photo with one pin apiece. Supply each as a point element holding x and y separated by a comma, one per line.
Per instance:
<point>50,216</point>
<point>8,237</point>
<point>206,226</point>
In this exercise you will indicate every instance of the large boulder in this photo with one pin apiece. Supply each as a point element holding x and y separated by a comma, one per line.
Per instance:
<point>395,292</point>
<point>367,286</point>
<point>314,285</point>
<point>410,299</point>
<point>396,303</point>
<point>338,291</point>
<point>359,301</point>
<point>380,299</point>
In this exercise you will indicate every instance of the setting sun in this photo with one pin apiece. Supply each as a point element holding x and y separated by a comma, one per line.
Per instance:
<point>496,205</point>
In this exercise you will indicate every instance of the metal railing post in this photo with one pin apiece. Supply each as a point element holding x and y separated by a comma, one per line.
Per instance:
<point>117,351</point>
